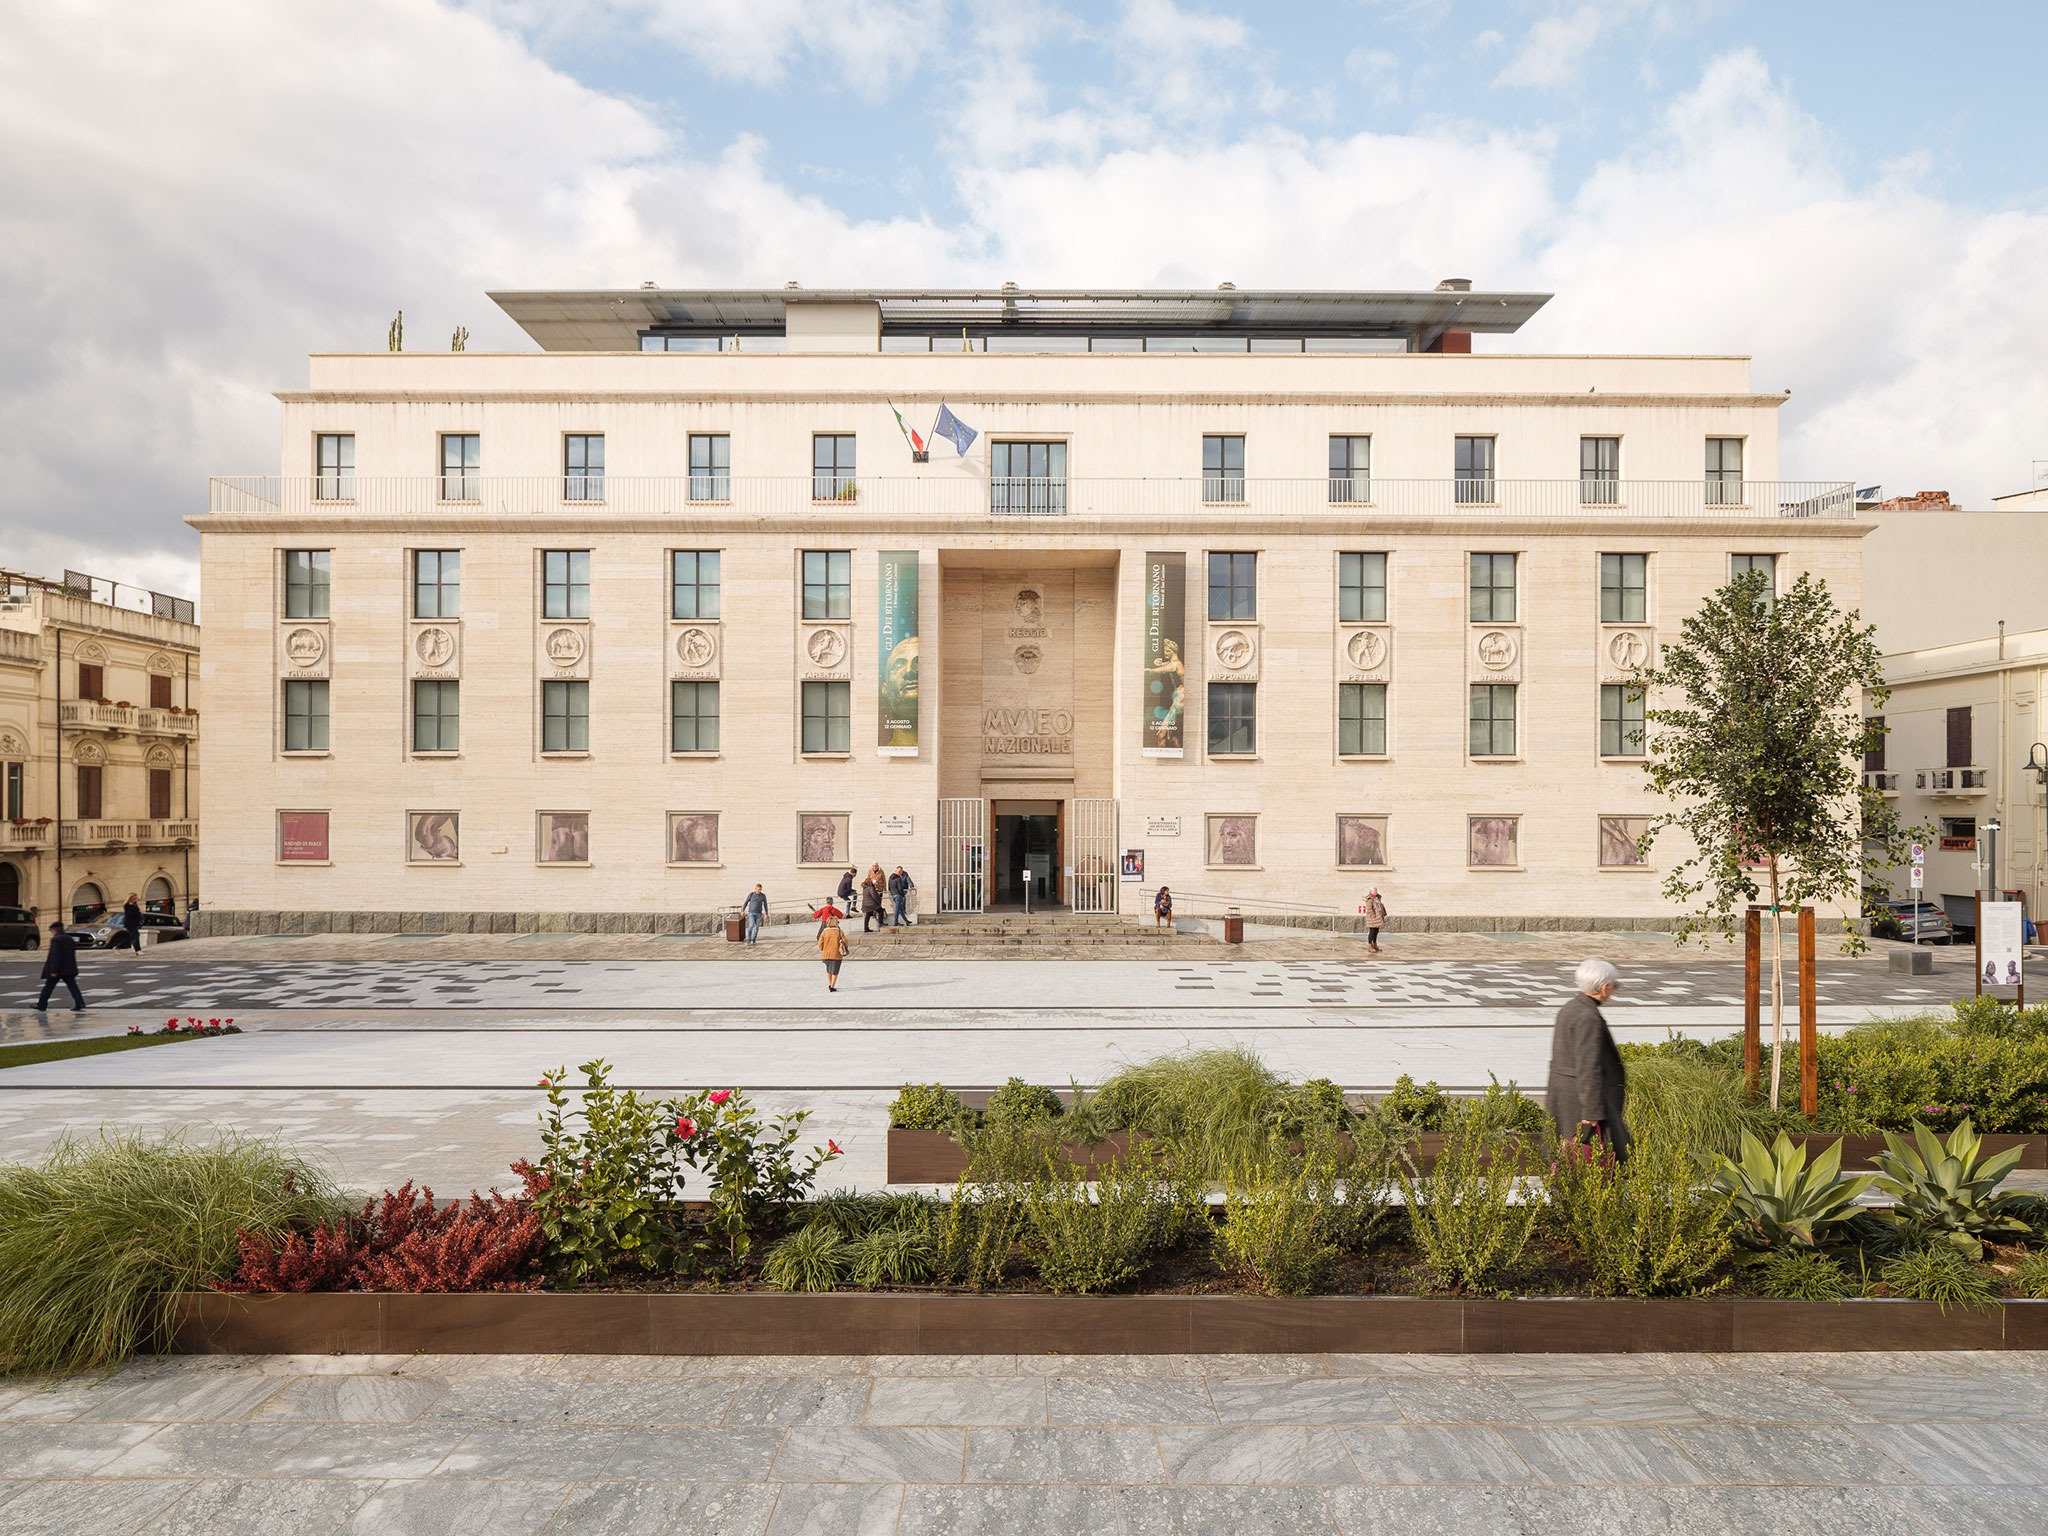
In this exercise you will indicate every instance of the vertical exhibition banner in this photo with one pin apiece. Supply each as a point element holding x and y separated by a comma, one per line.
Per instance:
<point>896,719</point>
<point>1164,700</point>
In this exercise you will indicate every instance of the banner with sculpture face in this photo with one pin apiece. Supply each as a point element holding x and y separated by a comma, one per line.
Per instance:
<point>896,719</point>
<point>1163,684</point>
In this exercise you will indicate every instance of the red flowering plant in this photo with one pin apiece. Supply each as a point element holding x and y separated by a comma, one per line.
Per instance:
<point>401,1241</point>
<point>754,1171</point>
<point>190,1026</point>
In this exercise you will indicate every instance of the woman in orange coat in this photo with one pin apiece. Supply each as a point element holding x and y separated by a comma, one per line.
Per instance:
<point>833,948</point>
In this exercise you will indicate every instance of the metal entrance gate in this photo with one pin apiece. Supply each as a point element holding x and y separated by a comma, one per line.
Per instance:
<point>1091,839</point>
<point>963,866</point>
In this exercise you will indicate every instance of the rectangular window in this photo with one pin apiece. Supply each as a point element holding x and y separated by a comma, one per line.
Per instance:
<point>1739,565</point>
<point>565,583</point>
<point>828,583</point>
<point>583,466</point>
<point>693,583</point>
<point>1493,842</point>
<point>710,466</point>
<point>1493,720</point>
<point>1599,471</point>
<point>828,717</point>
<point>1959,743</point>
<point>460,466</point>
<point>436,715</point>
<point>1361,719</point>
<point>1350,469</point>
<point>832,467</point>
<point>1621,842</point>
<point>308,583</point>
<point>1493,589</point>
<point>16,790</point>
<point>437,583</point>
<point>305,715</point>
<point>92,681</point>
<point>1233,585</point>
<point>1362,587</point>
<point>1621,721</point>
<point>159,691</point>
<point>692,717</point>
<point>334,466</point>
<point>1222,468</point>
<point>1233,719</point>
<point>1473,465</point>
<point>159,794</point>
<point>1873,745</point>
<point>1724,471</point>
<point>1028,479</point>
<point>565,717</point>
<point>89,780</point>
<point>1624,588</point>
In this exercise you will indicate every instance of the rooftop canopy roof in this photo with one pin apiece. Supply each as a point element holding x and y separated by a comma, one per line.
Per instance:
<point>600,320</point>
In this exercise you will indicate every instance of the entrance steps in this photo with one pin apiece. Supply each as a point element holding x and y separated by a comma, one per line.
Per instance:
<point>1040,928</point>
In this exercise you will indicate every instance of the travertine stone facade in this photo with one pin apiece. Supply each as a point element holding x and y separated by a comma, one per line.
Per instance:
<point>571,775</point>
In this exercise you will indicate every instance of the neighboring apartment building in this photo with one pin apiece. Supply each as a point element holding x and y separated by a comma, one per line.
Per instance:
<point>1265,596</point>
<point>99,749</point>
<point>1962,616</point>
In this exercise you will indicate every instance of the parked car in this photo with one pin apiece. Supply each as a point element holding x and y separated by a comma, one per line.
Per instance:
<point>1935,927</point>
<point>18,929</point>
<point>107,933</point>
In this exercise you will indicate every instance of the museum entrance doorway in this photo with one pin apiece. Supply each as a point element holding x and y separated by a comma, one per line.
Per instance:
<point>1026,854</point>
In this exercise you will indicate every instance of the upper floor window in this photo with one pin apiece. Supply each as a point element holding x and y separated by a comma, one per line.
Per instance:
<point>1493,720</point>
<point>1724,471</point>
<point>1361,719</point>
<point>827,717</point>
<point>583,466</point>
<point>461,466</point>
<point>90,780</point>
<point>1233,719</point>
<point>1028,478</point>
<point>305,715</point>
<point>437,583</point>
<point>564,716</point>
<point>1957,738</point>
<point>1233,584</point>
<point>1599,471</point>
<point>307,583</point>
<point>1621,721</point>
<point>1222,468</point>
<point>693,583</point>
<point>1362,587</point>
<point>1472,463</point>
<point>16,790</point>
<point>1493,589</point>
<point>692,716</point>
<point>1624,588</point>
<point>1873,745</point>
<point>159,690</point>
<point>1739,565</point>
<point>828,583</point>
<point>565,584</point>
<point>334,466</point>
<point>832,466</point>
<point>1350,469</point>
<point>436,715</point>
<point>160,794</point>
<point>92,681</point>
<point>710,466</point>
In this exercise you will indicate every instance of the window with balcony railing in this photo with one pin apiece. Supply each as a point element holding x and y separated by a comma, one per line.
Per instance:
<point>710,466</point>
<point>1599,471</point>
<point>583,466</point>
<point>1724,471</point>
<point>1028,479</point>
<point>334,466</point>
<point>90,780</point>
<point>461,466</point>
<point>1472,468</point>
<point>1350,470</point>
<point>1222,468</point>
<point>832,466</point>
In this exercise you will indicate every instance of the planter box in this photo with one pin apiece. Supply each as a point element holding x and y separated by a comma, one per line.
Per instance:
<point>843,1323</point>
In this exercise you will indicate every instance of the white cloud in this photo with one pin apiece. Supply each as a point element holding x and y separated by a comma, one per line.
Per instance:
<point>1554,52</point>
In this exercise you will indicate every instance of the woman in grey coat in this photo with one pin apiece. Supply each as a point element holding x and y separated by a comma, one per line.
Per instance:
<point>1586,1078</point>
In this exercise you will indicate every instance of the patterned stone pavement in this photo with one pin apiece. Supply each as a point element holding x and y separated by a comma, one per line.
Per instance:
<point>1017,1445</point>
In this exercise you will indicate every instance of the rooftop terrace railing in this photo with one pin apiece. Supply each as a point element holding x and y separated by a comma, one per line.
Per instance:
<point>940,494</point>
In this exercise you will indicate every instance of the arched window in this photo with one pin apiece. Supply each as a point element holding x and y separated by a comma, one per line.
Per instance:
<point>158,897</point>
<point>87,903</point>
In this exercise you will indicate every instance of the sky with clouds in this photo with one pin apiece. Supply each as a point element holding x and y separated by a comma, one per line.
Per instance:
<point>200,192</point>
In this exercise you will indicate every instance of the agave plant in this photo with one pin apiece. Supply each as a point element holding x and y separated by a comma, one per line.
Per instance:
<point>1777,1199</point>
<point>1948,1187</point>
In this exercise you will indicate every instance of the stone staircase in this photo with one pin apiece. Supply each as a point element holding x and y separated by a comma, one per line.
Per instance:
<point>999,930</point>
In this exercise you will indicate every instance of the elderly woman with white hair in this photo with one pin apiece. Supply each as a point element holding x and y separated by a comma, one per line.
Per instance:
<point>1586,1078</point>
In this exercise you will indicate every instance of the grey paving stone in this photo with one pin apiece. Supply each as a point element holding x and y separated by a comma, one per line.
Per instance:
<point>1960,1396</point>
<point>1813,1511</point>
<point>1602,1453</point>
<point>1982,1511</point>
<point>684,1400</point>
<point>1313,1400</point>
<point>385,1399</point>
<point>1962,1454</point>
<point>955,1400</point>
<point>693,1452</point>
<point>1119,1367</point>
<point>1425,1511</point>
<point>645,1507</point>
<point>1452,1400</point>
<point>210,1397</point>
<point>1262,1454</point>
<point>1433,1453</point>
<point>504,1400</point>
<point>1112,1401</point>
<point>1006,1510</point>
<point>443,1506</point>
<point>799,1400</point>
<point>1589,1399</point>
<point>1063,1456</point>
<point>1784,1453</point>
<point>815,1455</point>
<point>207,1450</point>
<point>264,1506</point>
<point>51,1402</point>
<point>942,1365</point>
<point>837,1509</point>
<point>1637,1511</point>
<point>565,1451</point>
<point>371,1450</point>
<point>1240,1511</point>
<point>63,1507</point>
<point>1766,1400</point>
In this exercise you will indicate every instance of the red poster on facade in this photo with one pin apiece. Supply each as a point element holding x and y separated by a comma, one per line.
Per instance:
<point>302,837</point>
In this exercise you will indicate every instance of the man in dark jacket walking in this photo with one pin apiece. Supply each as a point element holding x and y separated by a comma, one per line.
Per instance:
<point>131,923</point>
<point>1586,1078</point>
<point>60,964</point>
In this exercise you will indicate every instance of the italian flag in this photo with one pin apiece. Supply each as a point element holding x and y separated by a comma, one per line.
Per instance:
<point>910,437</point>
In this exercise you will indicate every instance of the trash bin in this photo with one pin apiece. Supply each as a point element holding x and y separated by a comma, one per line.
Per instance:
<point>735,928</point>
<point>1233,927</point>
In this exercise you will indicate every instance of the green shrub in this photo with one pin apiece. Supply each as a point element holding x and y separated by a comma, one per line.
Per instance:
<point>974,1235</point>
<point>1501,1110</point>
<point>1804,1274</point>
<point>1274,1232</point>
<point>1215,1106</point>
<point>1948,1188</point>
<point>891,1255</point>
<point>1087,1243</point>
<point>91,1234</point>
<point>1018,1104</point>
<point>1777,1199</point>
<point>926,1107</point>
<point>1887,1074</point>
<point>813,1258</point>
<point>1643,1226</point>
<point>751,1165</point>
<point>1467,1223</point>
<point>1940,1273</point>
<point>2029,1277</point>
<point>1411,1110</point>
<point>1316,1105</point>
<point>1351,1176</point>
<point>1686,1100</point>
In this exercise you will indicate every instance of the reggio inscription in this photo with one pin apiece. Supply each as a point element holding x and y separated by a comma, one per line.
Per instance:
<point>1027,732</point>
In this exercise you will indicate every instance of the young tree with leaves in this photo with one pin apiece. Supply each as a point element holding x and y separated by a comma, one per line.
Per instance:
<point>1756,738</point>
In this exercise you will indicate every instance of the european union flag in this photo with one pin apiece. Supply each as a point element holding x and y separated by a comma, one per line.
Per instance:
<point>954,430</point>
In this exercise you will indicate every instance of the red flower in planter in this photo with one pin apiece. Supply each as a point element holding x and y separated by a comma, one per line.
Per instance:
<point>685,1128</point>
<point>170,1023</point>
<point>215,1023</point>
<point>721,1095</point>
<point>833,1147</point>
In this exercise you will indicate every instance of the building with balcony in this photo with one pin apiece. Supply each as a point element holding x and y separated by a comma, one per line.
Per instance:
<point>99,746</point>
<point>1265,596</point>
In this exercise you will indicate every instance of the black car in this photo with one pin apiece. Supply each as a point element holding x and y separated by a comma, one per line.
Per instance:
<point>107,932</point>
<point>18,929</point>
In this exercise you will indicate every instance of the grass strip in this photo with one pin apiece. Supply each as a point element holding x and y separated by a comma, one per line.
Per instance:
<point>94,1045</point>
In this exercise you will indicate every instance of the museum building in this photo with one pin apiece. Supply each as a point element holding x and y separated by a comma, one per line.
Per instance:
<point>1044,595</point>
